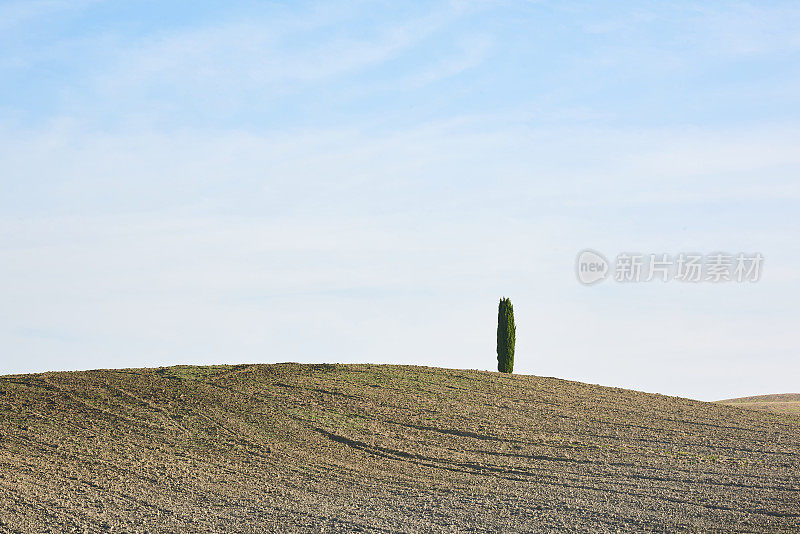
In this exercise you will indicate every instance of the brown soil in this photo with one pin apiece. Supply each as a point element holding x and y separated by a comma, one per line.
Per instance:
<point>290,447</point>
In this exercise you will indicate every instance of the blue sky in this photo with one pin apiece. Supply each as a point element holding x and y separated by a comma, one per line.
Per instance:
<point>205,182</point>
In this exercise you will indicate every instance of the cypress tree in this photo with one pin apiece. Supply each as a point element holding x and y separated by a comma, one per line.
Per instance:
<point>506,336</point>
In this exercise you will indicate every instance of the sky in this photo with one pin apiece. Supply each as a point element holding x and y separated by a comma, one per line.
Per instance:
<point>258,182</point>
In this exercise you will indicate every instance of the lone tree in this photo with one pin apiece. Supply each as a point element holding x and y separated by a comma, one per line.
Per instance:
<point>506,336</point>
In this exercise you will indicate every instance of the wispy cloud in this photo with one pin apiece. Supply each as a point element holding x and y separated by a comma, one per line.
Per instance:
<point>747,29</point>
<point>257,59</point>
<point>470,53</point>
<point>21,12</point>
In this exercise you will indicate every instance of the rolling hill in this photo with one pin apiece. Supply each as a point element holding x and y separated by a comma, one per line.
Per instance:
<point>786,403</point>
<point>288,447</point>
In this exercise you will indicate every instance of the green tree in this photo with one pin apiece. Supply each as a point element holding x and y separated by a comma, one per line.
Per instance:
<point>506,336</point>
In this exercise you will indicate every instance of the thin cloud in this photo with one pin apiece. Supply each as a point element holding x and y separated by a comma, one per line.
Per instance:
<point>243,57</point>
<point>25,12</point>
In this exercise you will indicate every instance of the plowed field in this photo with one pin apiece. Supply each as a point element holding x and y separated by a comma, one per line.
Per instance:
<point>290,447</point>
